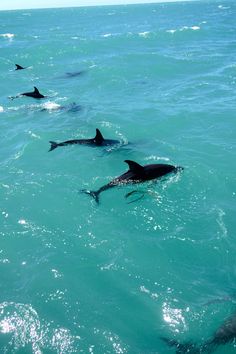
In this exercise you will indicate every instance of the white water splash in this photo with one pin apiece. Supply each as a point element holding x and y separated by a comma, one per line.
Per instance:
<point>51,106</point>
<point>174,317</point>
<point>23,324</point>
<point>156,158</point>
<point>185,28</point>
<point>7,35</point>
<point>106,35</point>
<point>223,7</point>
<point>194,28</point>
<point>220,222</point>
<point>144,34</point>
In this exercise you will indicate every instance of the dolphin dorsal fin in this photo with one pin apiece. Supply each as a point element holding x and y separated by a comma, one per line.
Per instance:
<point>98,138</point>
<point>135,167</point>
<point>18,66</point>
<point>36,90</point>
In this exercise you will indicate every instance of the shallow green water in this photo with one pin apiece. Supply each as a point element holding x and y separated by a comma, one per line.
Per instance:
<point>114,278</point>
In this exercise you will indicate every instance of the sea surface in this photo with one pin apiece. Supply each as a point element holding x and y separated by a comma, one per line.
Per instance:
<point>115,277</point>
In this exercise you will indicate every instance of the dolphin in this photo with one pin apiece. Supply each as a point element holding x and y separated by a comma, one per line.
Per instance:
<point>72,107</point>
<point>183,348</point>
<point>98,140</point>
<point>52,106</point>
<point>71,74</point>
<point>19,67</point>
<point>34,94</point>
<point>226,333</point>
<point>135,174</point>
<point>74,74</point>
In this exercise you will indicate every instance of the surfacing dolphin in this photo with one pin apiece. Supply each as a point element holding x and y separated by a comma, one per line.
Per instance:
<point>34,94</point>
<point>136,174</point>
<point>98,140</point>
<point>52,106</point>
<point>226,333</point>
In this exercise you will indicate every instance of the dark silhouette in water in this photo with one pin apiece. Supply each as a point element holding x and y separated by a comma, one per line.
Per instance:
<point>136,174</point>
<point>226,333</point>
<point>74,74</point>
<point>182,348</point>
<point>98,140</point>
<point>34,94</point>
<point>71,107</point>
<point>19,67</point>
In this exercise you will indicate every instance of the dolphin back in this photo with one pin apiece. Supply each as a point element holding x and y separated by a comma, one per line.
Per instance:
<point>183,348</point>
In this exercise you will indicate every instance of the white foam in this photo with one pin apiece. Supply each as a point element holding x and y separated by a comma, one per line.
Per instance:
<point>223,7</point>
<point>22,222</point>
<point>7,35</point>
<point>156,158</point>
<point>51,105</point>
<point>33,135</point>
<point>106,35</point>
<point>171,31</point>
<point>184,28</point>
<point>1,109</point>
<point>14,108</point>
<point>220,222</point>
<point>195,28</point>
<point>144,34</point>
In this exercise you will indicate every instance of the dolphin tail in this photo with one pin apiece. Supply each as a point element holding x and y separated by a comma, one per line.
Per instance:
<point>54,145</point>
<point>94,194</point>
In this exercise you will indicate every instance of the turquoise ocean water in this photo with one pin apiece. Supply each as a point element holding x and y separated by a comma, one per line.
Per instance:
<point>76,277</point>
